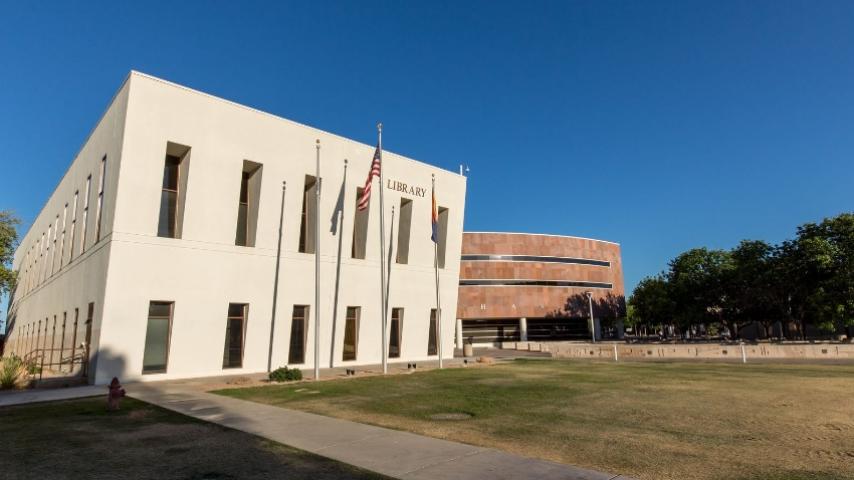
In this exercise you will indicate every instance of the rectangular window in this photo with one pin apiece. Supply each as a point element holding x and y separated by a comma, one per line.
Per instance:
<point>403,227</point>
<point>235,328</point>
<point>360,228</point>
<point>307,222</point>
<point>168,223</point>
<point>99,207</point>
<point>156,355</point>
<point>247,204</point>
<point>73,227</point>
<point>432,334</point>
<point>62,238</point>
<point>173,190</point>
<point>85,214</point>
<point>74,334</point>
<point>443,236</point>
<point>51,248</point>
<point>351,333</point>
<point>395,333</point>
<point>296,353</point>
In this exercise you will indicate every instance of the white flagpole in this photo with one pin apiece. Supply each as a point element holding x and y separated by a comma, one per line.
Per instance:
<point>434,208</point>
<point>382,252</point>
<point>317,266</point>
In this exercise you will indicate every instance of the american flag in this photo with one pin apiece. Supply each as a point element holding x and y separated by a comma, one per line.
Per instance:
<point>365,199</point>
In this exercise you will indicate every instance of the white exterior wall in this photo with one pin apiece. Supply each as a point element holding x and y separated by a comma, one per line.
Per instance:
<point>204,271</point>
<point>80,280</point>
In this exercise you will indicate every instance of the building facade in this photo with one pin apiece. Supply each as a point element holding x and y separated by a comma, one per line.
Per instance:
<point>155,256</point>
<point>516,286</point>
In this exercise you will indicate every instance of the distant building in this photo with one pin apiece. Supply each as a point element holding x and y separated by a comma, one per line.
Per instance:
<point>517,286</point>
<point>154,257</point>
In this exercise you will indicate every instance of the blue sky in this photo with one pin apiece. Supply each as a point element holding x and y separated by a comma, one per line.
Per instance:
<point>659,125</point>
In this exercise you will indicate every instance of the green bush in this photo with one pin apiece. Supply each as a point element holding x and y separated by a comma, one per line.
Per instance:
<point>285,374</point>
<point>13,372</point>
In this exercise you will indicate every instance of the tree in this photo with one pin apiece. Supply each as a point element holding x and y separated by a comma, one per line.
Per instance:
<point>651,303</point>
<point>698,282</point>
<point>8,242</point>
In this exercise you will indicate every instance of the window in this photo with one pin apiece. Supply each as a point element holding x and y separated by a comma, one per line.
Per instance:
<point>62,339</point>
<point>394,333</point>
<point>156,355</point>
<point>235,327</point>
<point>74,333</point>
<point>307,221</point>
<point>360,228</point>
<point>73,227</point>
<point>432,334</point>
<point>99,207</point>
<point>443,236</point>
<point>351,333</point>
<point>404,225</point>
<point>247,204</point>
<point>62,239</point>
<point>173,190</point>
<point>85,215</point>
<point>48,259</point>
<point>296,353</point>
<point>168,222</point>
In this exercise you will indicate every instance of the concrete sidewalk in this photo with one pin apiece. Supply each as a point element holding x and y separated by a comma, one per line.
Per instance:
<point>37,395</point>
<point>390,452</point>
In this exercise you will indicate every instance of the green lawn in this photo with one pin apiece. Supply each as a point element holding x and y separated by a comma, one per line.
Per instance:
<point>79,439</point>
<point>649,420</point>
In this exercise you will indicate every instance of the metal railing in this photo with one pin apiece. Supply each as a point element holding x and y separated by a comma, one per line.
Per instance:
<point>57,362</point>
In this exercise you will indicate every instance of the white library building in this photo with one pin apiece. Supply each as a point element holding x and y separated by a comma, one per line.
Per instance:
<point>158,254</point>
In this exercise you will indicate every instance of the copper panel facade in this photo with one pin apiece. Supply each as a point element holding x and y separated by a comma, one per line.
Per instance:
<point>537,301</point>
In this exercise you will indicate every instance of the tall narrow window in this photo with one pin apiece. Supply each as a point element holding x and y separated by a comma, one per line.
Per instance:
<point>100,206</point>
<point>235,327</point>
<point>85,214</point>
<point>156,355</point>
<point>351,333</point>
<point>176,167</point>
<point>168,223</point>
<point>62,339</point>
<point>404,226</point>
<point>395,333</point>
<point>307,223</point>
<point>41,260</point>
<point>360,228</point>
<point>73,227</point>
<point>443,236</point>
<point>53,249</point>
<point>296,352</point>
<point>47,269</point>
<point>74,336</point>
<point>62,238</point>
<point>247,204</point>
<point>432,334</point>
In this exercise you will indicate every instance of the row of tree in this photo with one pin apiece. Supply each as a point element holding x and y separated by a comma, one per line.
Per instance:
<point>806,284</point>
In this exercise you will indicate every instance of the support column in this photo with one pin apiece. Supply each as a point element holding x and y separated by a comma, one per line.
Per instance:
<point>459,333</point>
<point>597,329</point>
<point>523,329</point>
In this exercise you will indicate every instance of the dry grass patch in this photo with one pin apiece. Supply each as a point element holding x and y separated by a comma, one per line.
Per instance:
<point>650,420</point>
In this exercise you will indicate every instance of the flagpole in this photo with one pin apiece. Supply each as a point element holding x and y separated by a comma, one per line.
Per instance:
<point>382,253</point>
<point>317,265</point>
<point>436,268</point>
<point>276,280</point>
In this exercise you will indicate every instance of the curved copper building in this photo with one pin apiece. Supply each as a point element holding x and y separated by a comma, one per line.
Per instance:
<point>516,286</point>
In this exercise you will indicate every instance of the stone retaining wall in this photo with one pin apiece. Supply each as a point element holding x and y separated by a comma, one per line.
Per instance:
<point>805,351</point>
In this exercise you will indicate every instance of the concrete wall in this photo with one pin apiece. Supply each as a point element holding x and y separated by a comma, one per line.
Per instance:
<point>804,351</point>
<point>75,279</point>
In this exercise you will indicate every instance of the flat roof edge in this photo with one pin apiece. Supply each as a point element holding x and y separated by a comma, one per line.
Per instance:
<point>545,235</point>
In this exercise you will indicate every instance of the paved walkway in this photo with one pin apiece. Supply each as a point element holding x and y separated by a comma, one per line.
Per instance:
<point>21,397</point>
<point>390,452</point>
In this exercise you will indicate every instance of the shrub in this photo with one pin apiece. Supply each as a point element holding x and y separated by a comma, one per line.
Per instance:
<point>13,373</point>
<point>285,374</point>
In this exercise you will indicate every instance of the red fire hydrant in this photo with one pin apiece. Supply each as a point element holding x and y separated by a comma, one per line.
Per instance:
<point>115,394</point>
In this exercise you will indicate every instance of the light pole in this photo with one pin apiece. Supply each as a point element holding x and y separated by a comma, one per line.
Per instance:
<point>592,323</point>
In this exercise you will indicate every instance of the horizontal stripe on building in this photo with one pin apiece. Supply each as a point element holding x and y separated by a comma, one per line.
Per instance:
<point>534,258</point>
<point>533,283</point>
